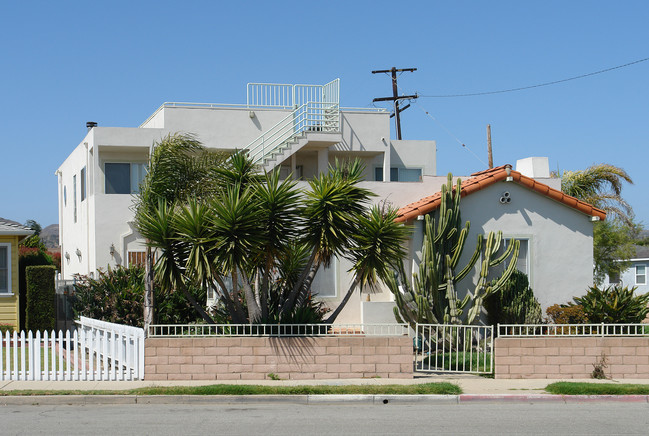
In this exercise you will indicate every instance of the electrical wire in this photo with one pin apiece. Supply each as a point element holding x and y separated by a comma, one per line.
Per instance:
<point>522,88</point>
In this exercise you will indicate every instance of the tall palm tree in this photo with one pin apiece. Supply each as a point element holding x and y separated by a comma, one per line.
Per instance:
<point>179,168</point>
<point>330,208</point>
<point>378,251</point>
<point>601,186</point>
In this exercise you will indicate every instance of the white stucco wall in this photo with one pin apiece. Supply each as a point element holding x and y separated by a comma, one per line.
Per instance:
<point>560,239</point>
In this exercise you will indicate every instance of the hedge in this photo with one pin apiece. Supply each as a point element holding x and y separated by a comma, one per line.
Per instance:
<point>41,293</point>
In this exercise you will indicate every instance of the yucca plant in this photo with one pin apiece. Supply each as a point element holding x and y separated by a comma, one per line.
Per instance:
<point>614,305</point>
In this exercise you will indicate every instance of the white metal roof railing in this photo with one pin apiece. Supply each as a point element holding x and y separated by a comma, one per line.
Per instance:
<point>527,330</point>
<point>285,95</point>
<point>277,330</point>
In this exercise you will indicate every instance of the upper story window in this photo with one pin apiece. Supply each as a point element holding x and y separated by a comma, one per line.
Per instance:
<point>83,183</point>
<point>5,268</point>
<point>124,178</point>
<point>74,196</point>
<point>399,174</point>
<point>640,274</point>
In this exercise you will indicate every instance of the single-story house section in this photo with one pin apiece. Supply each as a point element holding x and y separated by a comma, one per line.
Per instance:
<point>10,235</point>
<point>555,229</point>
<point>636,274</point>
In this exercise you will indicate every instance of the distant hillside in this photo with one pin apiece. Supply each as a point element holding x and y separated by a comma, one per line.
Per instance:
<point>50,236</point>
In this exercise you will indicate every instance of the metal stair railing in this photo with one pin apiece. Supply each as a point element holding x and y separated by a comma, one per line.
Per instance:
<point>315,109</point>
<point>309,117</point>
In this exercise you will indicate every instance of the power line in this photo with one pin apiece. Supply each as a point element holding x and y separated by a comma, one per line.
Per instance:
<point>473,94</point>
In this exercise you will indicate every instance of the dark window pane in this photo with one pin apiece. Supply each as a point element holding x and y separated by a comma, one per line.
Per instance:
<point>83,183</point>
<point>118,178</point>
<point>378,174</point>
<point>394,174</point>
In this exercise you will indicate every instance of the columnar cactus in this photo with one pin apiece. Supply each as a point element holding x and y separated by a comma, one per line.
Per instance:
<point>430,297</point>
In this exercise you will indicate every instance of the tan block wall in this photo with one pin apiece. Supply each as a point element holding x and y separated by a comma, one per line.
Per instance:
<point>248,358</point>
<point>571,357</point>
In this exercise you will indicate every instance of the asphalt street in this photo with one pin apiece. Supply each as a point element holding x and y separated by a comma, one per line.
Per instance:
<point>328,419</point>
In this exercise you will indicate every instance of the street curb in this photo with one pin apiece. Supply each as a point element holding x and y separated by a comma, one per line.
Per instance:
<point>65,400</point>
<point>542,398</point>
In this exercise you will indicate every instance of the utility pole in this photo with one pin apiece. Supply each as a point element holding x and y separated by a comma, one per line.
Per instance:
<point>491,156</point>
<point>395,95</point>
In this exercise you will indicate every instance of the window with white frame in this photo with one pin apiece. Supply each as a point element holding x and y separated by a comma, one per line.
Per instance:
<point>325,280</point>
<point>641,274</point>
<point>523,261</point>
<point>124,178</point>
<point>5,268</point>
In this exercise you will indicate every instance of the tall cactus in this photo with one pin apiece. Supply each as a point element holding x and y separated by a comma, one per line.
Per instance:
<point>430,297</point>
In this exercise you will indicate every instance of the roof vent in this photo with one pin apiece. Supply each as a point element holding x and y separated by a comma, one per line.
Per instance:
<point>90,125</point>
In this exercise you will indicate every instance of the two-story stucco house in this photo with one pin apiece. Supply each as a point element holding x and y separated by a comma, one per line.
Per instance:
<point>299,128</point>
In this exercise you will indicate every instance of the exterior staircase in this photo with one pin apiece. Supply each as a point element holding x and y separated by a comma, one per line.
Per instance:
<point>314,120</point>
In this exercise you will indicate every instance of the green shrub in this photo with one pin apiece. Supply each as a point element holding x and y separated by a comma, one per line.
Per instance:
<point>4,328</point>
<point>28,256</point>
<point>566,314</point>
<point>117,295</point>
<point>614,305</point>
<point>40,312</point>
<point>514,304</point>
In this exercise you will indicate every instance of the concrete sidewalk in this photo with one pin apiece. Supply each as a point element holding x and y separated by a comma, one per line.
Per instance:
<point>471,385</point>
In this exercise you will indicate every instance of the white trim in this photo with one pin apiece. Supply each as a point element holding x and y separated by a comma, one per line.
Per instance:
<point>635,274</point>
<point>9,291</point>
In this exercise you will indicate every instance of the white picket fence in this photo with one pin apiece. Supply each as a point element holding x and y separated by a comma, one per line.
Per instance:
<point>96,351</point>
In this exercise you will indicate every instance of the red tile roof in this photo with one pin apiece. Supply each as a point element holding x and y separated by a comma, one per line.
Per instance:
<point>482,179</point>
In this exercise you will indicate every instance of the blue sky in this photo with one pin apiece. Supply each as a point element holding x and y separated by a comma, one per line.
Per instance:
<point>65,63</point>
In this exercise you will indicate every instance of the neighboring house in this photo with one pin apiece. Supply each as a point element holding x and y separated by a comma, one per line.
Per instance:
<point>10,235</point>
<point>636,274</point>
<point>555,230</point>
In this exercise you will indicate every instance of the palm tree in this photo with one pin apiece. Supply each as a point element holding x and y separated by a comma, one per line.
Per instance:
<point>330,210</point>
<point>377,252</point>
<point>179,168</point>
<point>268,237</point>
<point>601,186</point>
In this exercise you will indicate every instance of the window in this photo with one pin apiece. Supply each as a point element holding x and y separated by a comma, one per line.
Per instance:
<point>324,282</point>
<point>5,268</point>
<point>614,278</point>
<point>399,174</point>
<point>124,178</point>
<point>83,183</point>
<point>640,274</point>
<point>74,196</point>
<point>136,258</point>
<point>523,262</point>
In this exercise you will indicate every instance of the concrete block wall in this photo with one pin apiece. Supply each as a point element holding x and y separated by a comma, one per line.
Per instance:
<point>254,358</point>
<point>571,357</point>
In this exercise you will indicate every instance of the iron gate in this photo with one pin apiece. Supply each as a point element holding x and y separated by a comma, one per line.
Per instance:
<point>454,348</point>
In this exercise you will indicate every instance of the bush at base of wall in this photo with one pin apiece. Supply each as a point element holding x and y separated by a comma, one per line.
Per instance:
<point>40,313</point>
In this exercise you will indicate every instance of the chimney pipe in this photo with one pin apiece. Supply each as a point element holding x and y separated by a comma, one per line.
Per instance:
<point>90,125</point>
